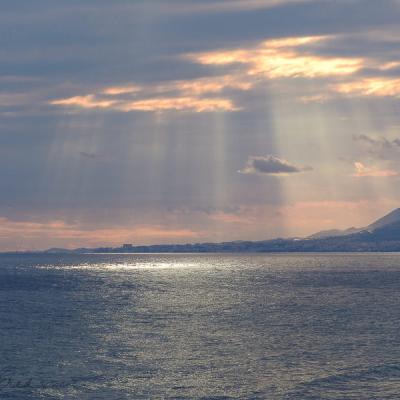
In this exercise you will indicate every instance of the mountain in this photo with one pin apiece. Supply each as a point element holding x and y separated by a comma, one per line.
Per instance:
<point>390,231</point>
<point>382,235</point>
<point>388,219</point>
<point>334,232</point>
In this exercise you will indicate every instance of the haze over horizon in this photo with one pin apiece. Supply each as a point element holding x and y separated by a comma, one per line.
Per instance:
<point>189,121</point>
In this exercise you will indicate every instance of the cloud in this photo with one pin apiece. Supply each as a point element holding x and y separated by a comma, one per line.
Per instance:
<point>374,172</point>
<point>377,87</point>
<point>304,57</point>
<point>381,142</point>
<point>86,102</point>
<point>179,104</point>
<point>118,90</point>
<point>282,58</point>
<point>201,86</point>
<point>182,95</point>
<point>156,104</point>
<point>317,98</point>
<point>382,147</point>
<point>271,59</point>
<point>271,165</point>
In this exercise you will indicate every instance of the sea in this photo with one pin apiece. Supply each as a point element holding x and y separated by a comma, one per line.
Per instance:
<point>199,326</point>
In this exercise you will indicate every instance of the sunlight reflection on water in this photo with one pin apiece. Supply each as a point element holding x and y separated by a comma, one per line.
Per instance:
<point>115,327</point>
<point>122,266</point>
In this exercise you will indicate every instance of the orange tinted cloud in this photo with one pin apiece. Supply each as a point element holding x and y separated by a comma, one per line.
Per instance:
<point>390,65</point>
<point>271,59</point>
<point>282,58</point>
<point>363,171</point>
<point>89,101</point>
<point>157,104</point>
<point>184,95</point>
<point>370,87</point>
<point>276,64</point>
<point>208,85</point>
<point>317,98</point>
<point>179,104</point>
<point>117,90</point>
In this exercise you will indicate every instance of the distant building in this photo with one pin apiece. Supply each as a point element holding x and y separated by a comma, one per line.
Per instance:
<point>127,246</point>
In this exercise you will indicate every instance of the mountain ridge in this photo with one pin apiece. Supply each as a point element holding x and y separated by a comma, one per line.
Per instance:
<point>382,235</point>
<point>392,217</point>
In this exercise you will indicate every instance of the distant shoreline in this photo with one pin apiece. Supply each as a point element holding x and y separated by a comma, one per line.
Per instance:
<point>382,236</point>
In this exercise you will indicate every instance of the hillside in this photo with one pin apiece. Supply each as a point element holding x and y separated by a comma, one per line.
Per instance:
<point>381,235</point>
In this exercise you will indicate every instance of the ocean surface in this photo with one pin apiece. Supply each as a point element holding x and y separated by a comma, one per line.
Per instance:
<point>205,326</point>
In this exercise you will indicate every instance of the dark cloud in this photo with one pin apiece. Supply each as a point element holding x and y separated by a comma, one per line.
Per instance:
<point>381,147</point>
<point>381,142</point>
<point>271,165</point>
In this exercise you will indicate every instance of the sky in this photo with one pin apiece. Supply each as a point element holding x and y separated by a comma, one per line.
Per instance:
<point>153,121</point>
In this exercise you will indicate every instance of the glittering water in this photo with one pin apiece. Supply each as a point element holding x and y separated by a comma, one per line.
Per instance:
<point>118,327</point>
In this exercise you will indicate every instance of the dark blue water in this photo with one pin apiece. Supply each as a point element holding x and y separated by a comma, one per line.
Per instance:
<point>118,327</point>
